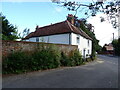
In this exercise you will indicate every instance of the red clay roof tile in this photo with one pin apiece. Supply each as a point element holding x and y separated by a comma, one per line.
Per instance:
<point>57,28</point>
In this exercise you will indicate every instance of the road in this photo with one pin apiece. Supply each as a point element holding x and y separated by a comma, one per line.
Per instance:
<point>102,73</point>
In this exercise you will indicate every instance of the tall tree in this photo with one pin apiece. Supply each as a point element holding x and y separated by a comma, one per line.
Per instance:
<point>90,32</point>
<point>25,32</point>
<point>9,32</point>
<point>116,45</point>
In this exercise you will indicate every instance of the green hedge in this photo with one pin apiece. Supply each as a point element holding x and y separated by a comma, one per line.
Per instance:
<point>41,59</point>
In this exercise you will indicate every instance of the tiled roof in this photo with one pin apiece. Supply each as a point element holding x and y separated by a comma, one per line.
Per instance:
<point>108,48</point>
<point>57,28</point>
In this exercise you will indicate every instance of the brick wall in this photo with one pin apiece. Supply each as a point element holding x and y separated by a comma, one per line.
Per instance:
<point>11,46</point>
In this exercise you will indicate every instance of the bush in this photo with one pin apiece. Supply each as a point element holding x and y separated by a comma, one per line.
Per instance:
<point>16,62</point>
<point>74,59</point>
<point>64,59</point>
<point>19,62</point>
<point>44,58</point>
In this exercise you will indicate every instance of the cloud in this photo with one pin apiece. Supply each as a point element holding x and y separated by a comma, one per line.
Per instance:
<point>103,30</point>
<point>58,9</point>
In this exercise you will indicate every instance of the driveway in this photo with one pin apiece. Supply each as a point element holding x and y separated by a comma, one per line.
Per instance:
<point>102,73</point>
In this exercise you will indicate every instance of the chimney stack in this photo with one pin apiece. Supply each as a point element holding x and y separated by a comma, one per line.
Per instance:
<point>37,27</point>
<point>70,18</point>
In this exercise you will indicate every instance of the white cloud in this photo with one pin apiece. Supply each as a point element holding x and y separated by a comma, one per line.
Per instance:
<point>103,30</point>
<point>58,9</point>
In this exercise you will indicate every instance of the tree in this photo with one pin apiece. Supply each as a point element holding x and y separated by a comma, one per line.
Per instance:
<point>25,32</point>
<point>95,43</point>
<point>111,9</point>
<point>116,45</point>
<point>9,32</point>
<point>104,48</point>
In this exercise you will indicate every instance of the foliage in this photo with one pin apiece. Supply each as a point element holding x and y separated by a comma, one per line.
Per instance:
<point>104,48</point>
<point>74,59</point>
<point>9,32</point>
<point>25,32</point>
<point>110,8</point>
<point>18,62</point>
<point>46,57</point>
<point>116,45</point>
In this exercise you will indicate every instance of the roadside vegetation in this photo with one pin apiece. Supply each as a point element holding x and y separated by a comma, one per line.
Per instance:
<point>116,45</point>
<point>41,59</point>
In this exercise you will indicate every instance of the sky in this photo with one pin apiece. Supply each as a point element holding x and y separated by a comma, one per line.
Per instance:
<point>29,14</point>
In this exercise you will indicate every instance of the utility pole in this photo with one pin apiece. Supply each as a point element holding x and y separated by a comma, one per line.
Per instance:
<point>113,36</point>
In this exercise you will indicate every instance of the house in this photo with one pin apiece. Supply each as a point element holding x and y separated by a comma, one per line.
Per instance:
<point>109,48</point>
<point>62,33</point>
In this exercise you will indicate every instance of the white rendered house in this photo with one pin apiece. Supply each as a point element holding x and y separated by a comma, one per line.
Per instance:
<point>62,33</point>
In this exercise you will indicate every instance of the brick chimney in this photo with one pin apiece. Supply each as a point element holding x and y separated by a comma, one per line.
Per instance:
<point>70,18</point>
<point>37,27</point>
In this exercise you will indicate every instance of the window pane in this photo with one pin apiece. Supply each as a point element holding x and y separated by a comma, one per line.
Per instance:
<point>37,39</point>
<point>78,40</point>
<point>88,42</point>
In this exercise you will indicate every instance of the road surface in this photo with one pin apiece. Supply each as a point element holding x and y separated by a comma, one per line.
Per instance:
<point>102,73</point>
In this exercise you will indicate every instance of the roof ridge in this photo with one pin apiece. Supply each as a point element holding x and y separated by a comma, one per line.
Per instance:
<point>58,28</point>
<point>80,30</point>
<point>51,24</point>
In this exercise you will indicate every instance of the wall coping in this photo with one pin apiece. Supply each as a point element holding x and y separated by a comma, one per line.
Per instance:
<point>36,43</point>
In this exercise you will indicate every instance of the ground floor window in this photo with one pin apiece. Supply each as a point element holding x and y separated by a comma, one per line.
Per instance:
<point>88,51</point>
<point>37,39</point>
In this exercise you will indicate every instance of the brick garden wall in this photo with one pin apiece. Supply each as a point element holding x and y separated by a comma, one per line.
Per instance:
<point>11,46</point>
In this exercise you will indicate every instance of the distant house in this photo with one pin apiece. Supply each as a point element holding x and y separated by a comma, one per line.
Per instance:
<point>62,33</point>
<point>109,49</point>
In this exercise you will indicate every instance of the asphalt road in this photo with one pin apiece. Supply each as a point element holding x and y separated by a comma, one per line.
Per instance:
<point>102,73</point>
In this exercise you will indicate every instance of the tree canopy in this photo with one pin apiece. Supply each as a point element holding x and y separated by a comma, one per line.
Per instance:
<point>9,31</point>
<point>87,28</point>
<point>116,45</point>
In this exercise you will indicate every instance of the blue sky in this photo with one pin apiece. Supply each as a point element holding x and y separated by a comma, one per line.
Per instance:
<point>29,14</point>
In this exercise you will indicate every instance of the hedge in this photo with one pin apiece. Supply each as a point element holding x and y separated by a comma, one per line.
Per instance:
<point>41,59</point>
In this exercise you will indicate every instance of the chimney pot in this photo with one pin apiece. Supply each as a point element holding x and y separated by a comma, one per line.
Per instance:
<point>70,18</point>
<point>37,27</point>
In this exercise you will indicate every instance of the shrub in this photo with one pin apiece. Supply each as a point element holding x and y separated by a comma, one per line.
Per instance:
<point>76,58</point>
<point>19,62</point>
<point>47,57</point>
<point>16,62</point>
<point>64,59</point>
